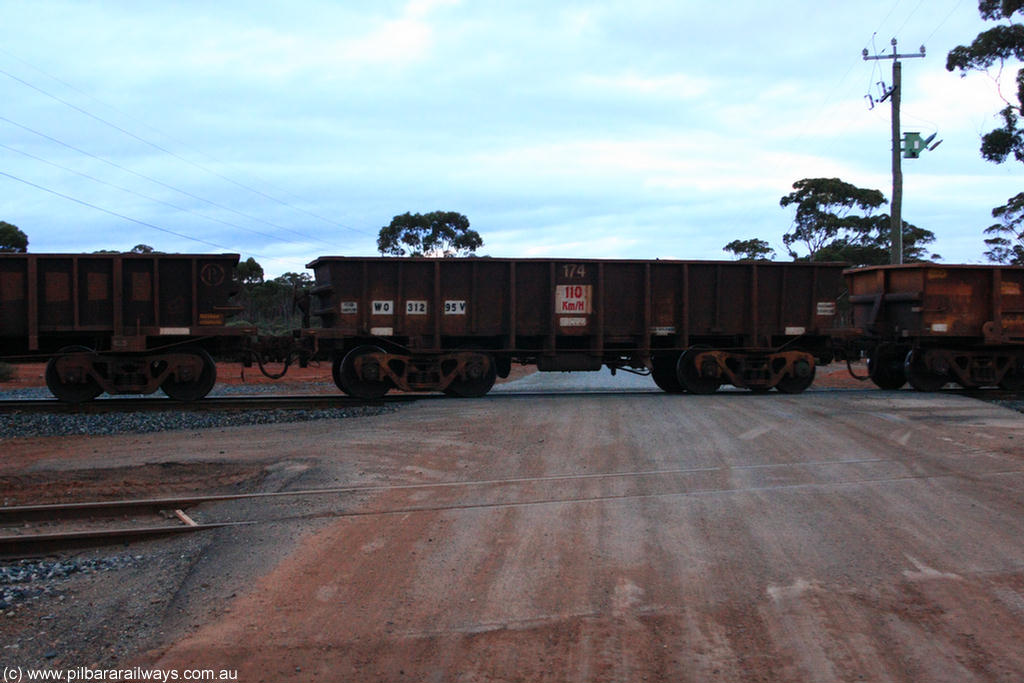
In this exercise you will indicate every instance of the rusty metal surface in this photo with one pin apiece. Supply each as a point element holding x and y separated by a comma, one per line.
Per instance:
<point>977,303</point>
<point>122,299</point>
<point>593,307</point>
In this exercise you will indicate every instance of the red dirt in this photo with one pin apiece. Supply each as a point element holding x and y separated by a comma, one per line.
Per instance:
<point>152,480</point>
<point>823,537</point>
<point>836,376</point>
<point>616,540</point>
<point>26,375</point>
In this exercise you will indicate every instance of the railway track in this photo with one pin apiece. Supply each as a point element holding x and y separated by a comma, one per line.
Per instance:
<point>219,403</point>
<point>33,530</point>
<point>238,403</point>
<point>326,401</point>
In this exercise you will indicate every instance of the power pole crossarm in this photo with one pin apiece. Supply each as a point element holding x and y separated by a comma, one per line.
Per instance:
<point>896,218</point>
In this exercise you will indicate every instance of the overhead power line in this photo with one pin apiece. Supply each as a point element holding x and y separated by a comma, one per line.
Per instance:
<point>113,213</point>
<point>154,180</point>
<point>909,17</point>
<point>163,149</point>
<point>129,218</point>
<point>943,22</point>
<point>138,194</point>
<point>870,44</point>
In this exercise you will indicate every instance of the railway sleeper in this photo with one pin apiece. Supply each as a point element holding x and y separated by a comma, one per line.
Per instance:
<point>787,371</point>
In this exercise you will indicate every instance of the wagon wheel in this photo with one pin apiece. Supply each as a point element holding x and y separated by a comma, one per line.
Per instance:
<point>663,372</point>
<point>348,379</point>
<point>795,383</point>
<point>195,389</point>
<point>1013,380</point>
<point>690,376</point>
<point>918,374</point>
<point>480,375</point>
<point>76,392</point>
<point>886,368</point>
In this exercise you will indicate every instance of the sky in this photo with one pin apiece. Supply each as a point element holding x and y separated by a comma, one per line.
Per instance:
<point>641,129</point>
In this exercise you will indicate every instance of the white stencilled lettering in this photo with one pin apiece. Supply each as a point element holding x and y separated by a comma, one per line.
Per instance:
<point>453,307</point>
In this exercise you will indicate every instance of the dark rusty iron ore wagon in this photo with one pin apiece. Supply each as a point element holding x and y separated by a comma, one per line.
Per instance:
<point>453,325</point>
<point>120,323</point>
<point>931,324</point>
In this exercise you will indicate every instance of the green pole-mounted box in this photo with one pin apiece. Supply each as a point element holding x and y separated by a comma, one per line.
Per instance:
<point>913,144</point>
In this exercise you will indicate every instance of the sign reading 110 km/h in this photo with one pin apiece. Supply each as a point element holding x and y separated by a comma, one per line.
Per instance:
<point>570,299</point>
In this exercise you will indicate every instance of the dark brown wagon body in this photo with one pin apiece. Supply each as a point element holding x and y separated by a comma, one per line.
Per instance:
<point>438,323</point>
<point>121,323</point>
<point>931,324</point>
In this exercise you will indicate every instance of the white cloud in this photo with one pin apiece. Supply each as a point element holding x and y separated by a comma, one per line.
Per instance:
<point>669,86</point>
<point>966,105</point>
<point>604,246</point>
<point>422,8</point>
<point>646,126</point>
<point>357,41</point>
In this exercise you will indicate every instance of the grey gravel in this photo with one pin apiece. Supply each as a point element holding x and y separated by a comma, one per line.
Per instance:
<point>35,393</point>
<point>31,580</point>
<point>1012,404</point>
<point>27,394</point>
<point>21,424</point>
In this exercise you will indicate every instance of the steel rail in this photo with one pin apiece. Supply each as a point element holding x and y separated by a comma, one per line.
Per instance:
<point>65,511</point>
<point>217,403</point>
<point>23,513</point>
<point>31,544</point>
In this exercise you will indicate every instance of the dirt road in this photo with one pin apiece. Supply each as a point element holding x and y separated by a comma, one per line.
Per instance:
<point>830,536</point>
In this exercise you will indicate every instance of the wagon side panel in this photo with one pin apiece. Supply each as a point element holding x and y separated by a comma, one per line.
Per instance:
<point>668,304</point>
<point>533,301</point>
<point>624,305</point>
<point>14,298</point>
<point>1011,304</point>
<point>96,293</point>
<point>702,303</point>
<point>55,290</point>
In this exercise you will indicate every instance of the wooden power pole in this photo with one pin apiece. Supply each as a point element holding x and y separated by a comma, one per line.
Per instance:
<point>895,217</point>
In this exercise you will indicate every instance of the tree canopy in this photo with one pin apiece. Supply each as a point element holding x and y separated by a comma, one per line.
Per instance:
<point>992,49</point>
<point>871,248</point>
<point>750,250</point>
<point>274,306</point>
<point>137,249</point>
<point>438,233</point>
<point>250,272</point>
<point>825,209</point>
<point>835,221</point>
<point>1007,242</point>
<point>12,239</point>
